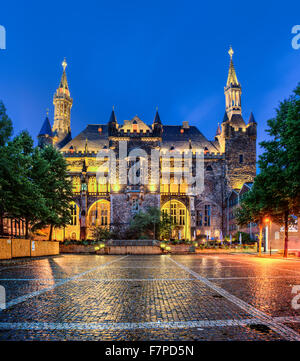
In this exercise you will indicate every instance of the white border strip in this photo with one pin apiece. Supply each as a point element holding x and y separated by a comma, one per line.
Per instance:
<point>137,325</point>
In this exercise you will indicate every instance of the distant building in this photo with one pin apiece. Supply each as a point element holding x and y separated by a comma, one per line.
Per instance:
<point>229,164</point>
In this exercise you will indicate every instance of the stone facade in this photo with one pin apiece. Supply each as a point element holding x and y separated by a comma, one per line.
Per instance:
<point>229,162</point>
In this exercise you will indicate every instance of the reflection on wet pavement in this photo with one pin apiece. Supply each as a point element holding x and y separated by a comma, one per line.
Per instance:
<point>183,297</point>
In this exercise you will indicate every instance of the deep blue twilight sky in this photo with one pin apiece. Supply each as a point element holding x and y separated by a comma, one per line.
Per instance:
<point>141,54</point>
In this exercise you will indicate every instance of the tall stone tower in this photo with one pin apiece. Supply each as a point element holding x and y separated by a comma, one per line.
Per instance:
<point>62,102</point>
<point>236,138</point>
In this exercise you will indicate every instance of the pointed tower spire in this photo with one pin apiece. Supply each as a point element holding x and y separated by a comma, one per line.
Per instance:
<point>112,123</point>
<point>232,78</point>
<point>218,130</point>
<point>63,82</point>
<point>252,119</point>
<point>232,91</point>
<point>157,126</point>
<point>45,135</point>
<point>62,102</point>
<point>157,118</point>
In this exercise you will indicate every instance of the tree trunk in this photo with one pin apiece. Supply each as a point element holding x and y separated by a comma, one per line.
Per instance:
<point>50,233</point>
<point>286,233</point>
<point>1,224</point>
<point>26,228</point>
<point>260,237</point>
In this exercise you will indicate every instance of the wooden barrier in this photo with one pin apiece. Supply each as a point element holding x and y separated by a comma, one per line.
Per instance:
<point>44,248</point>
<point>20,248</point>
<point>5,248</point>
<point>14,248</point>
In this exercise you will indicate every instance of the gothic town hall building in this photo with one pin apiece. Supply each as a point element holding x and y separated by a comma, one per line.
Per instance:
<point>229,163</point>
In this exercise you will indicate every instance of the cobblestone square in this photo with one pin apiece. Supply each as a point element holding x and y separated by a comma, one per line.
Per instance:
<point>180,297</point>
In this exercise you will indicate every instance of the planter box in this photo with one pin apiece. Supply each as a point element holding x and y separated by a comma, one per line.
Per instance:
<point>76,248</point>
<point>182,248</point>
<point>133,250</point>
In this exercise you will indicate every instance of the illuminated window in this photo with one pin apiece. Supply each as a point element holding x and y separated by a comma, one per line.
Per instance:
<point>92,185</point>
<point>99,214</point>
<point>76,184</point>
<point>102,187</point>
<point>173,213</point>
<point>74,214</point>
<point>182,217</point>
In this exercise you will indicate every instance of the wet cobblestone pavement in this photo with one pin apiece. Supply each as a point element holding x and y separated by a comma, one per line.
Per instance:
<point>192,297</point>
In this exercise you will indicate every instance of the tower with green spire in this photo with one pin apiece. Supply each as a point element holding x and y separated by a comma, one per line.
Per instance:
<point>62,102</point>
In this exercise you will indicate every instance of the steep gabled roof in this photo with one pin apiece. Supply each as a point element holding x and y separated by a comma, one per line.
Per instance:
<point>95,135</point>
<point>173,135</point>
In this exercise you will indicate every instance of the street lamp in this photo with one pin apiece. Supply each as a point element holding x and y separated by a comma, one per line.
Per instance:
<point>267,222</point>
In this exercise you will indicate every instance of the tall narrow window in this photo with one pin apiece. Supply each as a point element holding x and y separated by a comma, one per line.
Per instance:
<point>199,218</point>
<point>207,215</point>
<point>241,158</point>
<point>173,213</point>
<point>73,214</point>
<point>182,217</point>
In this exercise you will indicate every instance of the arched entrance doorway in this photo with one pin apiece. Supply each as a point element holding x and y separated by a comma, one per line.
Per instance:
<point>99,215</point>
<point>180,218</point>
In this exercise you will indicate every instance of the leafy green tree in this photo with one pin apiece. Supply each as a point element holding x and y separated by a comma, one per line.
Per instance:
<point>151,223</point>
<point>24,197</point>
<point>281,161</point>
<point>101,234</point>
<point>6,128</point>
<point>276,190</point>
<point>56,188</point>
<point>5,134</point>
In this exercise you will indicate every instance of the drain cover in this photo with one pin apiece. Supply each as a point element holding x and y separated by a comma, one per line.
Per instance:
<point>217,296</point>
<point>260,328</point>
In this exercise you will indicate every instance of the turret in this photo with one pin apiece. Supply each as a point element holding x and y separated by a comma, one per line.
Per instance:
<point>45,136</point>
<point>112,123</point>
<point>157,125</point>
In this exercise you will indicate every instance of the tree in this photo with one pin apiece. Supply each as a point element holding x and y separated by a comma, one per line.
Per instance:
<point>24,199</point>
<point>281,161</point>
<point>56,188</point>
<point>5,134</point>
<point>151,223</point>
<point>255,205</point>
<point>276,190</point>
<point>5,126</point>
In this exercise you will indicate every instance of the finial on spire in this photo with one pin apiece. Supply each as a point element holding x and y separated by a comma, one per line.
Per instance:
<point>47,112</point>
<point>64,64</point>
<point>113,108</point>
<point>232,78</point>
<point>157,108</point>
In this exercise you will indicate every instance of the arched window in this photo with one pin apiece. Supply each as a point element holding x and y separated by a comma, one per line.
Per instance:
<point>180,218</point>
<point>76,184</point>
<point>92,185</point>
<point>99,214</point>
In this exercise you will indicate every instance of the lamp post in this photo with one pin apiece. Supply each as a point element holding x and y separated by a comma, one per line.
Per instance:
<point>267,222</point>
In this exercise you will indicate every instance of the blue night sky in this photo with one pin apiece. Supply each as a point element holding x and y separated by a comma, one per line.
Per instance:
<point>137,55</point>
